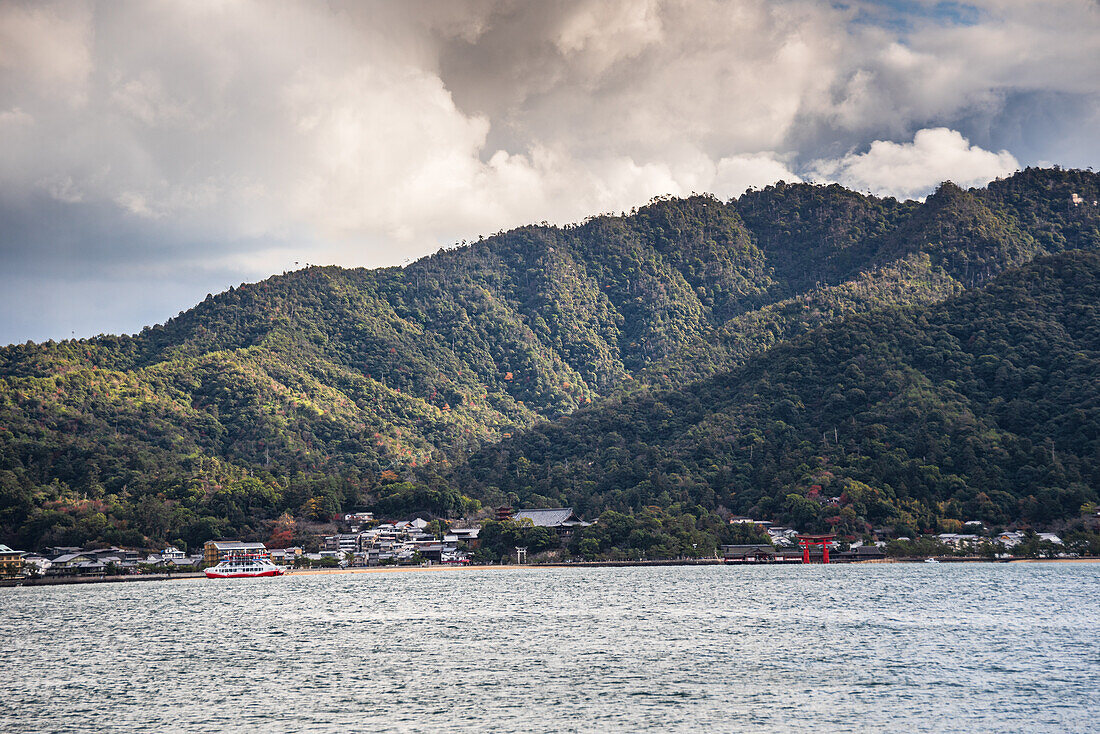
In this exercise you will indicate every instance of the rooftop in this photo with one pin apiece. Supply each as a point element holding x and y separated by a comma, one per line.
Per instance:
<point>558,517</point>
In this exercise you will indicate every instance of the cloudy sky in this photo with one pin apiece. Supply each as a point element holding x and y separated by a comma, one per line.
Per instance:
<point>152,152</point>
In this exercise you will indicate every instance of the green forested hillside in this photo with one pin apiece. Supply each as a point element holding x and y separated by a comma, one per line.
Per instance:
<point>327,388</point>
<point>986,406</point>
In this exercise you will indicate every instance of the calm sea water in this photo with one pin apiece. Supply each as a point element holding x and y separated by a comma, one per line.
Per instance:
<point>838,648</point>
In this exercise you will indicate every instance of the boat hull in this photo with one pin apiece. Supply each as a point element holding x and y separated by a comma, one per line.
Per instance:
<point>212,574</point>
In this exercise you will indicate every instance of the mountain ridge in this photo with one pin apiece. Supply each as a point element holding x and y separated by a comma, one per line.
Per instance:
<point>336,376</point>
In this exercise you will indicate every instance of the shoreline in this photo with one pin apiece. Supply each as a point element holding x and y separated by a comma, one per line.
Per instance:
<point>78,580</point>
<point>189,576</point>
<point>1085,559</point>
<point>412,569</point>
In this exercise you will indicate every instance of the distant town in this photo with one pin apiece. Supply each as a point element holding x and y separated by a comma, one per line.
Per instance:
<point>363,541</point>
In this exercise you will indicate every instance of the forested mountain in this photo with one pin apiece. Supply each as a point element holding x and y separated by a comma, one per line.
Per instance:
<point>329,388</point>
<point>985,406</point>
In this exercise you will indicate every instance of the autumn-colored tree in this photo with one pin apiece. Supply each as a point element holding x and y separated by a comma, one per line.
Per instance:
<point>282,532</point>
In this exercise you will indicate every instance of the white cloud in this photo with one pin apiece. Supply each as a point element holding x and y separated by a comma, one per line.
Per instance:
<point>366,133</point>
<point>15,118</point>
<point>912,170</point>
<point>47,45</point>
<point>371,128</point>
<point>605,33</point>
<point>735,174</point>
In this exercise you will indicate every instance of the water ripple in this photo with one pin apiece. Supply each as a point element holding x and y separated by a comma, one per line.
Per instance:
<point>888,647</point>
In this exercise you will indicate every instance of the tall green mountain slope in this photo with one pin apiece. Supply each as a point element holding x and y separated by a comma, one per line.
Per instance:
<point>985,406</point>
<point>318,389</point>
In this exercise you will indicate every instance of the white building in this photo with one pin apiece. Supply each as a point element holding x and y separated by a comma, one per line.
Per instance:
<point>959,540</point>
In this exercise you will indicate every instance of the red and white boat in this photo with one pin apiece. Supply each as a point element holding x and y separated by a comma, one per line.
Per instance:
<point>244,568</point>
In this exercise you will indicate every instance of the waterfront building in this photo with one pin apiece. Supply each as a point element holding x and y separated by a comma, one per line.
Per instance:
<point>170,564</point>
<point>216,551</point>
<point>748,553</point>
<point>69,563</point>
<point>860,553</point>
<point>429,550</point>
<point>788,555</point>
<point>34,563</point>
<point>11,562</point>
<point>120,560</point>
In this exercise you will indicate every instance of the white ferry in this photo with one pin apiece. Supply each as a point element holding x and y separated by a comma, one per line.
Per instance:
<point>234,568</point>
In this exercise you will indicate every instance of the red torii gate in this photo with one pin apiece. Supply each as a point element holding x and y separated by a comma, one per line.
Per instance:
<point>806,541</point>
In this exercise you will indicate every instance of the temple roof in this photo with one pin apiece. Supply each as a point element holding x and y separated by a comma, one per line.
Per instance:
<point>558,517</point>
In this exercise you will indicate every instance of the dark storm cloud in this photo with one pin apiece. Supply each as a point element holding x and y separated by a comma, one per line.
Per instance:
<point>80,269</point>
<point>153,151</point>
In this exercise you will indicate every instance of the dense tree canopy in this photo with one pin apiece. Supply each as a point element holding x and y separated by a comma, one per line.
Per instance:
<point>765,355</point>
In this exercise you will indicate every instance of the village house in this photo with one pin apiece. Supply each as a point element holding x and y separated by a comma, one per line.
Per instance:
<point>960,541</point>
<point>72,563</point>
<point>185,562</point>
<point>169,561</point>
<point>429,550</point>
<point>284,556</point>
<point>95,561</point>
<point>171,553</point>
<point>36,564</point>
<point>1014,538</point>
<point>356,520</point>
<point>67,560</point>
<point>465,535</point>
<point>343,542</point>
<point>405,541</point>
<point>781,536</point>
